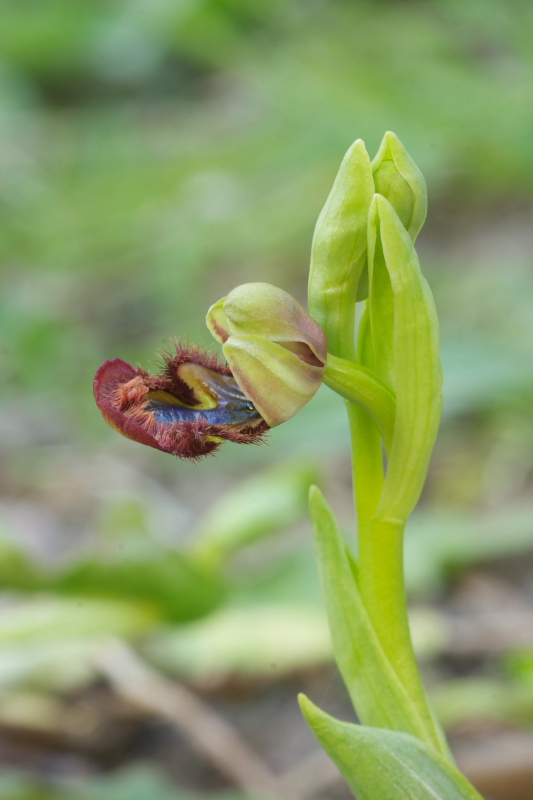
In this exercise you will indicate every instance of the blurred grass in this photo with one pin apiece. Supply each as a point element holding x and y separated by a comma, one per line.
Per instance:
<point>155,155</point>
<point>142,782</point>
<point>124,194</point>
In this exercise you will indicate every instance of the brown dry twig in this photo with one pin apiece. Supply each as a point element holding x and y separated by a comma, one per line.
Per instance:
<point>207,731</point>
<point>211,735</point>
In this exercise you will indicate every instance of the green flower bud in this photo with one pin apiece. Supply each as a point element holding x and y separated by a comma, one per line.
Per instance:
<point>275,350</point>
<point>397,178</point>
<point>338,254</point>
<point>405,337</point>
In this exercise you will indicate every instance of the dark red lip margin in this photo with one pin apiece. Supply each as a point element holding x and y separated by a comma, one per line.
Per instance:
<point>107,379</point>
<point>190,439</point>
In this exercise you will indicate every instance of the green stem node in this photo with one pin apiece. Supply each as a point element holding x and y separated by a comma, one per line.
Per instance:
<point>359,385</point>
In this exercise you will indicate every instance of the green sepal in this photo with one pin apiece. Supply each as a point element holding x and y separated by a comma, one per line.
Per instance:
<point>275,379</point>
<point>338,254</point>
<point>397,178</point>
<point>217,321</point>
<point>360,385</point>
<point>276,351</point>
<point>260,309</point>
<point>378,696</point>
<point>386,765</point>
<point>405,335</point>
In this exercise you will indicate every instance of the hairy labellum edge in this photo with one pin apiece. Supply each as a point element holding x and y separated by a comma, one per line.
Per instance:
<point>122,393</point>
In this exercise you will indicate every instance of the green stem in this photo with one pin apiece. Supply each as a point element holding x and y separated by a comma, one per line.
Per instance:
<point>367,460</point>
<point>381,570</point>
<point>360,385</point>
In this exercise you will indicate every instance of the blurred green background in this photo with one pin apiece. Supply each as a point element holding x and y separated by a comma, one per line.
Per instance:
<point>153,155</point>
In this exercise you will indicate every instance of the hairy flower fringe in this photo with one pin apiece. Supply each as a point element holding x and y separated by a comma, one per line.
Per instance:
<point>123,394</point>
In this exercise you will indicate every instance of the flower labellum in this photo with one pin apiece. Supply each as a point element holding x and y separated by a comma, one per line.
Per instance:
<point>187,410</point>
<point>276,351</point>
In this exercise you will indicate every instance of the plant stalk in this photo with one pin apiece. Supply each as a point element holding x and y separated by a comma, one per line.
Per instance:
<point>381,569</point>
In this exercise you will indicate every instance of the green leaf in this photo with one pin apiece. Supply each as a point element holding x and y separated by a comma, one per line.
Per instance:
<point>376,691</point>
<point>386,765</point>
<point>440,542</point>
<point>50,642</point>
<point>163,579</point>
<point>132,782</point>
<point>405,336</point>
<point>44,617</point>
<point>16,570</point>
<point>259,641</point>
<point>138,782</point>
<point>338,253</point>
<point>487,699</point>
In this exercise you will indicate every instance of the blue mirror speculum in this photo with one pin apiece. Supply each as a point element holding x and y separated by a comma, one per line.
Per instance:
<point>188,410</point>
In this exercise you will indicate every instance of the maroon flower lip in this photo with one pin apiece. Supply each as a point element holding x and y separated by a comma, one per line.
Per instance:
<point>188,410</point>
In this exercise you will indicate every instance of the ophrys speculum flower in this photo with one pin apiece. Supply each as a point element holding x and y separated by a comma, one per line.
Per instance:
<point>276,361</point>
<point>188,410</point>
<point>275,350</point>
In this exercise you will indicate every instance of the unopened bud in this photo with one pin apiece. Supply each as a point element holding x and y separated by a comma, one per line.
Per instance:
<point>397,178</point>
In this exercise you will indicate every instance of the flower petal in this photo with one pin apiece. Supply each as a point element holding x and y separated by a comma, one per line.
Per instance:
<point>217,321</point>
<point>277,381</point>
<point>187,410</point>
<point>260,309</point>
<point>109,377</point>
